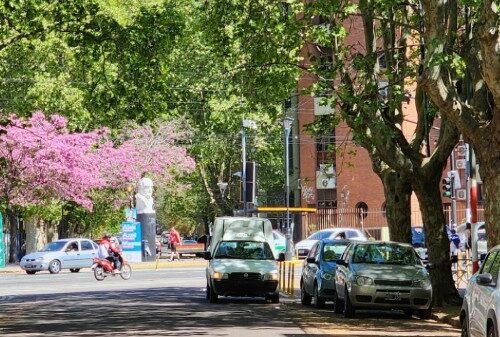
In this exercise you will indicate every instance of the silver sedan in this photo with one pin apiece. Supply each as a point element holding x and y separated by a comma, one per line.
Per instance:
<point>72,254</point>
<point>382,275</point>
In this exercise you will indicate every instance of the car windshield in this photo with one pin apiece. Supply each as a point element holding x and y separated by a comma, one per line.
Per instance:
<point>248,250</point>
<point>333,251</point>
<point>54,246</point>
<point>319,235</point>
<point>385,254</point>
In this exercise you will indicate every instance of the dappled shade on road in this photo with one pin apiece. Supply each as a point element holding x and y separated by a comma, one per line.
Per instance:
<point>169,311</point>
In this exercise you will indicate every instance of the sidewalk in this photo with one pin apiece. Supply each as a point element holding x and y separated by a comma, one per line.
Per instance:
<point>162,264</point>
<point>447,315</point>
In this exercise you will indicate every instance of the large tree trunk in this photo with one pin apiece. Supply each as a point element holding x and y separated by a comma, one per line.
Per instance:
<point>398,205</point>
<point>490,175</point>
<point>36,235</point>
<point>51,229</point>
<point>13,231</point>
<point>436,240</point>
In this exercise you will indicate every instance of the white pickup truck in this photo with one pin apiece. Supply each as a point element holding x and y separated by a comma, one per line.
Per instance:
<point>242,260</point>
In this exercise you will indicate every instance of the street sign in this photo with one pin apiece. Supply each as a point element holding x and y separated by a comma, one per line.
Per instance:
<point>2,244</point>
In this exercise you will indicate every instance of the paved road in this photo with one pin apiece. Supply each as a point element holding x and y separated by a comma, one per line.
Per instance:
<point>171,302</point>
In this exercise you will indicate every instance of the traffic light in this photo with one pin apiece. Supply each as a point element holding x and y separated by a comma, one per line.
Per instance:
<point>448,186</point>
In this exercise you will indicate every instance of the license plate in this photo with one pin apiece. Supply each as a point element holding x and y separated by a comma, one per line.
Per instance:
<point>393,296</point>
<point>30,266</point>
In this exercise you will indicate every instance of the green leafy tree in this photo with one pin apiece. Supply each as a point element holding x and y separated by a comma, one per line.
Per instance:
<point>461,74</point>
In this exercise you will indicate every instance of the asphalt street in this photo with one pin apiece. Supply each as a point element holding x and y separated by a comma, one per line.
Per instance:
<point>171,302</point>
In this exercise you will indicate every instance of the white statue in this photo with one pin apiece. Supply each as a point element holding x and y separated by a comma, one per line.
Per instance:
<point>144,197</point>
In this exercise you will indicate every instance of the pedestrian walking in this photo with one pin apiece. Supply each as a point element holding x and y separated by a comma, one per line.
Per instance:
<point>175,240</point>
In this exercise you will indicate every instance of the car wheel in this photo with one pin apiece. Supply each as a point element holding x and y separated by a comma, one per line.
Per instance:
<point>465,327</point>
<point>337,303</point>
<point>74,270</point>
<point>349,310</point>
<point>425,314</point>
<point>30,272</point>
<point>408,313</point>
<point>319,302</point>
<point>492,331</point>
<point>275,298</point>
<point>212,296</point>
<point>305,298</point>
<point>54,266</point>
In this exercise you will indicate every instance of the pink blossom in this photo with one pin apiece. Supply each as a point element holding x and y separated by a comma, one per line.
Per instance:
<point>42,160</point>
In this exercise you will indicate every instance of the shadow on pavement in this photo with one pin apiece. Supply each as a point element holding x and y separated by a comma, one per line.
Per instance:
<point>368,323</point>
<point>172,311</point>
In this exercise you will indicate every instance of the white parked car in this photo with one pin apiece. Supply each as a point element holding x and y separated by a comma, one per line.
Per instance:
<point>72,254</point>
<point>480,314</point>
<point>303,247</point>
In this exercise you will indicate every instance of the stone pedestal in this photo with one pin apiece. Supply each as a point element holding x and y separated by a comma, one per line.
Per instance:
<point>148,233</point>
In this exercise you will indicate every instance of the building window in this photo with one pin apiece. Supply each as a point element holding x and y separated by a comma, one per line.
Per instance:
<point>325,150</point>
<point>327,198</point>
<point>362,209</point>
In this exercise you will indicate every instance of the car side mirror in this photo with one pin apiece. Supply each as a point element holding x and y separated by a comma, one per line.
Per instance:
<point>311,260</point>
<point>207,255</point>
<point>484,279</point>
<point>341,263</point>
<point>281,257</point>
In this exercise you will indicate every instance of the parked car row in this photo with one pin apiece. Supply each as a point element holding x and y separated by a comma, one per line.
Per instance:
<point>366,275</point>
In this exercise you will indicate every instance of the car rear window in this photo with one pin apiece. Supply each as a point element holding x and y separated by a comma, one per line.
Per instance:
<point>385,254</point>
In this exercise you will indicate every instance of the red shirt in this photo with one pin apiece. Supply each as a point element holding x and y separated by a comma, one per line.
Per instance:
<point>175,238</point>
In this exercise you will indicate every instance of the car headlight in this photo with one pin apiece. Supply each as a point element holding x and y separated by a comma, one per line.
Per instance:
<point>219,276</point>
<point>327,276</point>
<point>41,258</point>
<point>422,283</point>
<point>363,280</point>
<point>271,276</point>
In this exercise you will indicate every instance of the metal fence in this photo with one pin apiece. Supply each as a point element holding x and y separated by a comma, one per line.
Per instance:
<point>372,220</point>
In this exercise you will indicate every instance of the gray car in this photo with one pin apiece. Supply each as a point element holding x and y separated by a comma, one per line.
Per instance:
<point>382,275</point>
<point>318,272</point>
<point>72,254</point>
<point>480,314</point>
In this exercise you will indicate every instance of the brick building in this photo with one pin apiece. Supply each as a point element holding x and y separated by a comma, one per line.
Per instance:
<point>341,184</point>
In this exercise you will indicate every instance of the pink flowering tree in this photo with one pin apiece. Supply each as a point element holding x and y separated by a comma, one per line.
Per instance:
<point>154,149</point>
<point>41,161</point>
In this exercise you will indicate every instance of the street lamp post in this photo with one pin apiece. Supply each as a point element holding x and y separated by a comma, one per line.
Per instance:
<point>247,123</point>
<point>287,124</point>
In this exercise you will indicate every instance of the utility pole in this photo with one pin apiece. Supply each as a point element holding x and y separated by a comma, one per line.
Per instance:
<point>453,192</point>
<point>287,124</point>
<point>244,168</point>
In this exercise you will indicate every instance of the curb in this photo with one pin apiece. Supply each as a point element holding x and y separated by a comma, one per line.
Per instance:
<point>16,269</point>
